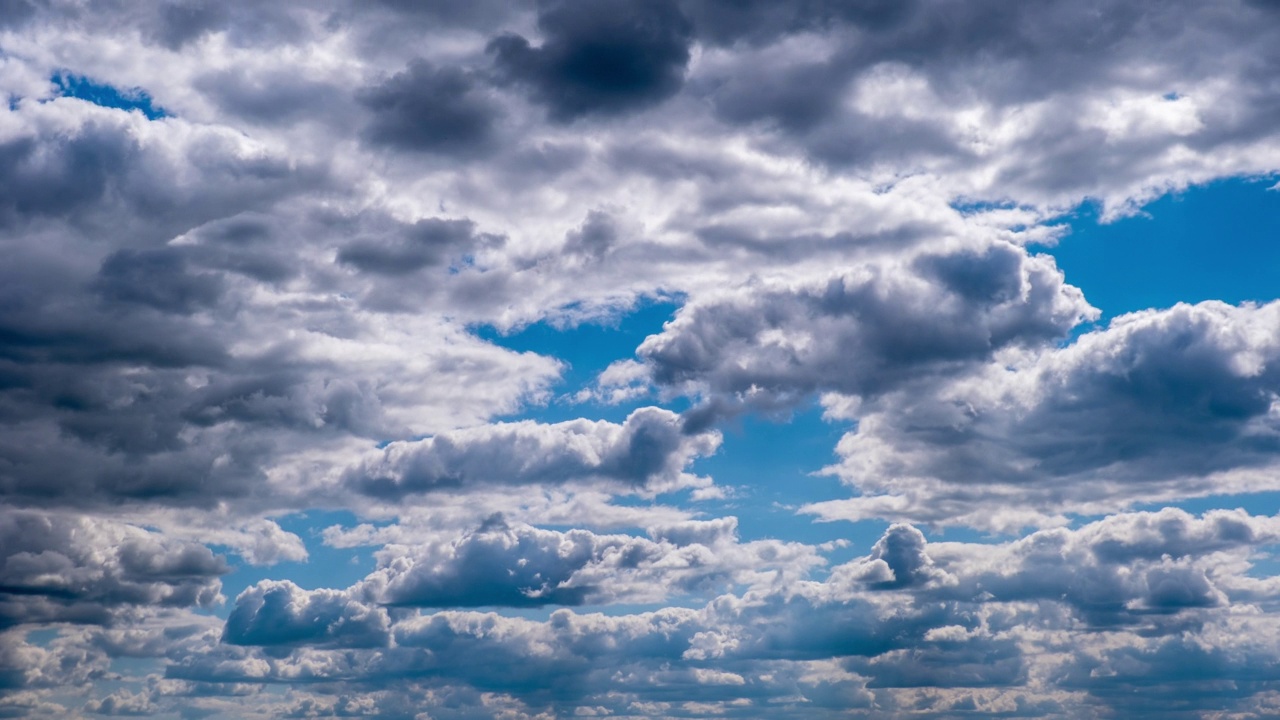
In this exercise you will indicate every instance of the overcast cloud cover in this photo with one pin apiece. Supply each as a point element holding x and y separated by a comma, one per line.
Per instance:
<point>453,360</point>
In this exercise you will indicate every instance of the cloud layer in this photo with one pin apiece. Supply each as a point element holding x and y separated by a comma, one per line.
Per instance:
<point>313,401</point>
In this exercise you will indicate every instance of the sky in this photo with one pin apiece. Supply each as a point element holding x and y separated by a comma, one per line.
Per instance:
<point>639,359</point>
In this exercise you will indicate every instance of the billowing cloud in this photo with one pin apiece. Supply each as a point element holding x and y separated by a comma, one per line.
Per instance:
<point>1160,404</point>
<point>866,331</point>
<point>353,311</point>
<point>978,623</point>
<point>646,453</point>
<point>517,566</point>
<point>68,568</point>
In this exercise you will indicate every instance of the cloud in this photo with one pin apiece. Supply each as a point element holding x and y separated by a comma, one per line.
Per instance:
<point>428,109</point>
<point>966,624</point>
<point>423,244</point>
<point>70,568</point>
<point>646,453</point>
<point>152,347</point>
<point>516,565</point>
<point>607,58</point>
<point>1168,403</point>
<point>279,613</point>
<point>864,331</point>
<point>266,310</point>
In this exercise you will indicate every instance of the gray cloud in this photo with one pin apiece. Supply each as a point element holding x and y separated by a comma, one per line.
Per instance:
<point>867,330</point>
<point>620,56</point>
<point>262,306</point>
<point>430,109</point>
<point>648,452</point>
<point>515,565</point>
<point>67,568</point>
<point>1161,403</point>
<point>279,613</point>
<point>274,96</point>
<point>972,626</point>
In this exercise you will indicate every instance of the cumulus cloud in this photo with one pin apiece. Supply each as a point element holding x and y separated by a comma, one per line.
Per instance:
<point>967,624</point>
<point>265,265</point>
<point>648,452</point>
<point>500,564</point>
<point>952,616</point>
<point>70,568</point>
<point>1160,404</point>
<point>279,613</point>
<point>866,331</point>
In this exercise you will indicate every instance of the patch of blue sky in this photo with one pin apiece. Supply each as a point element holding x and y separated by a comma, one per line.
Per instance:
<point>90,90</point>
<point>43,636</point>
<point>1214,242</point>
<point>771,467</point>
<point>586,349</point>
<point>966,206</point>
<point>326,566</point>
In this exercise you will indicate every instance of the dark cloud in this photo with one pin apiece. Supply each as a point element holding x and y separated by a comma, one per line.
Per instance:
<point>177,24</point>
<point>58,180</point>
<point>595,238</point>
<point>430,109</point>
<point>603,58</point>
<point>761,21</point>
<point>15,12</point>
<point>274,96</point>
<point>423,244</point>
<point>140,260</point>
<point>158,279</point>
<point>64,568</point>
<point>182,22</point>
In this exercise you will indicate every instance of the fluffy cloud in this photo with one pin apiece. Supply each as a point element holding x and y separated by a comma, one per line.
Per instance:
<point>1160,404</point>
<point>504,565</point>
<point>983,625</point>
<point>281,614</point>
<point>70,568</point>
<point>646,453</point>
<point>866,331</point>
<point>255,254</point>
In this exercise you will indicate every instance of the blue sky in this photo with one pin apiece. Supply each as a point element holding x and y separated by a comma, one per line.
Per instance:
<point>639,359</point>
<point>1211,242</point>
